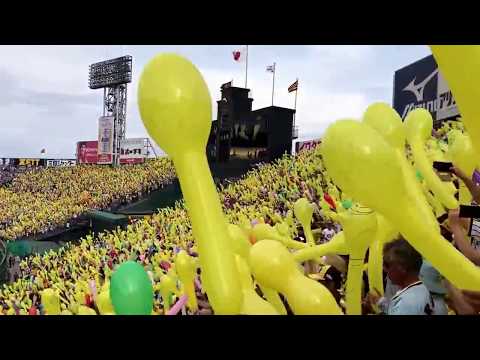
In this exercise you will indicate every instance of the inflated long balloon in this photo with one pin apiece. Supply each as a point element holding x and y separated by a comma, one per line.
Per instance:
<point>365,165</point>
<point>104,304</point>
<point>274,299</point>
<point>167,286</point>
<point>436,205</point>
<point>50,301</point>
<point>303,210</point>
<point>252,303</point>
<point>175,106</point>
<point>419,127</point>
<point>265,231</point>
<point>85,310</point>
<point>458,64</point>
<point>241,247</point>
<point>240,243</point>
<point>187,270</point>
<point>434,152</point>
<point>385,120</point>
<point>360,226</point>
<point>385,233</point>
<point>336,245</point>
<point>463,156</point>
<point>273,265</point>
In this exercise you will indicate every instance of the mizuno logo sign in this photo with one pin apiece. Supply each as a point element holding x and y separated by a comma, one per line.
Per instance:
<point>417,89</point>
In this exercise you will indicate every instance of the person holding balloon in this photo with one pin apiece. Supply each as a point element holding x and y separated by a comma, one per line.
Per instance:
<point>402,264</point>
<point>469,182</point>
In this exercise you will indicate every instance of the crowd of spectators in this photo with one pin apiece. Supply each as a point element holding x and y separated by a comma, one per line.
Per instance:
<point>41,201</point>
<point>265,194</point>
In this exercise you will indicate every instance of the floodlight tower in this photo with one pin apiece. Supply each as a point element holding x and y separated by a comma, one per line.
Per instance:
<point>113,76</point>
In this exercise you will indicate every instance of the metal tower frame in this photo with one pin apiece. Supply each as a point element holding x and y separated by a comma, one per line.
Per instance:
<point>113,75</point>
<point>115,104</point>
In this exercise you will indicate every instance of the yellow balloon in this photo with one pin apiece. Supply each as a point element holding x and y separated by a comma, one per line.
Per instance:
<point>303,210</point>
<point>84,310</point>
<point>366,166</point>
<point>360,226</point>
<point>386,121</point>
<point>336,245</point>
<point>419,127</point>
<point>266,231</point>
<point>240,243</point>
<point>103,301</point>
<point>385,233</point>
<point>50,301</point>
<point>252,303</point>
<point>175,106</point>
<point>274,299</point>
<point>434,153</point>
<point>458,64</point>
<point>436,205</point>
<point>187,270</point>
<point>273,265</point>
<point>463,156</point>
<point>166,287</point>
<point>388,124</point>
<point>242,248</point>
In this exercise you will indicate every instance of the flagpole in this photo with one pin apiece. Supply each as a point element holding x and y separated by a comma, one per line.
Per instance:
<point>273,85</point>
<point>246,69</point>
<point>295,106</point>
<point>296,92</point>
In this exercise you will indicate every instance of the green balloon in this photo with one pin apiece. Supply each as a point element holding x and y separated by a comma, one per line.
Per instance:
<point>347,204</point>
<point>131,290</point>
<point>419,176</point>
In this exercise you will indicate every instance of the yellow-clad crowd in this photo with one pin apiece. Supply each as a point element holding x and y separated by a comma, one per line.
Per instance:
<point>39,201</point>
<point>78,276</point>
<point>79,273</point>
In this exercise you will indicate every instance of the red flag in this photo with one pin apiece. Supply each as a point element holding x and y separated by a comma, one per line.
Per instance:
<point>239,55</point>
<point>329,201</point>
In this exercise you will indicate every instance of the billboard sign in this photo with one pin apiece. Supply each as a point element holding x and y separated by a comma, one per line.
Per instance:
<point>36,162</point>
<point>30,162</point>
<point>132,151</point>
<point>110,72</point>
<point>306,145</point>
<point>421,85</point>
<point>105,140</point>
<point>60,162</point>
<point>6,161</point>
<point>87,152</point>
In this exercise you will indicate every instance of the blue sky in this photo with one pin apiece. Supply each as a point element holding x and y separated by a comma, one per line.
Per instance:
<point>46,102</point>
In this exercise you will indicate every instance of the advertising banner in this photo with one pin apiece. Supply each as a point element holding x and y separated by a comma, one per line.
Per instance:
<point>105,140</point>
<point>31,162</point>
<point>60,162</point>
<point>421,85</point>
<point>27,162</point>
<point>306,145</point>
<point>132,151</point>
<point>6,161</point>
<point>87,152</point>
